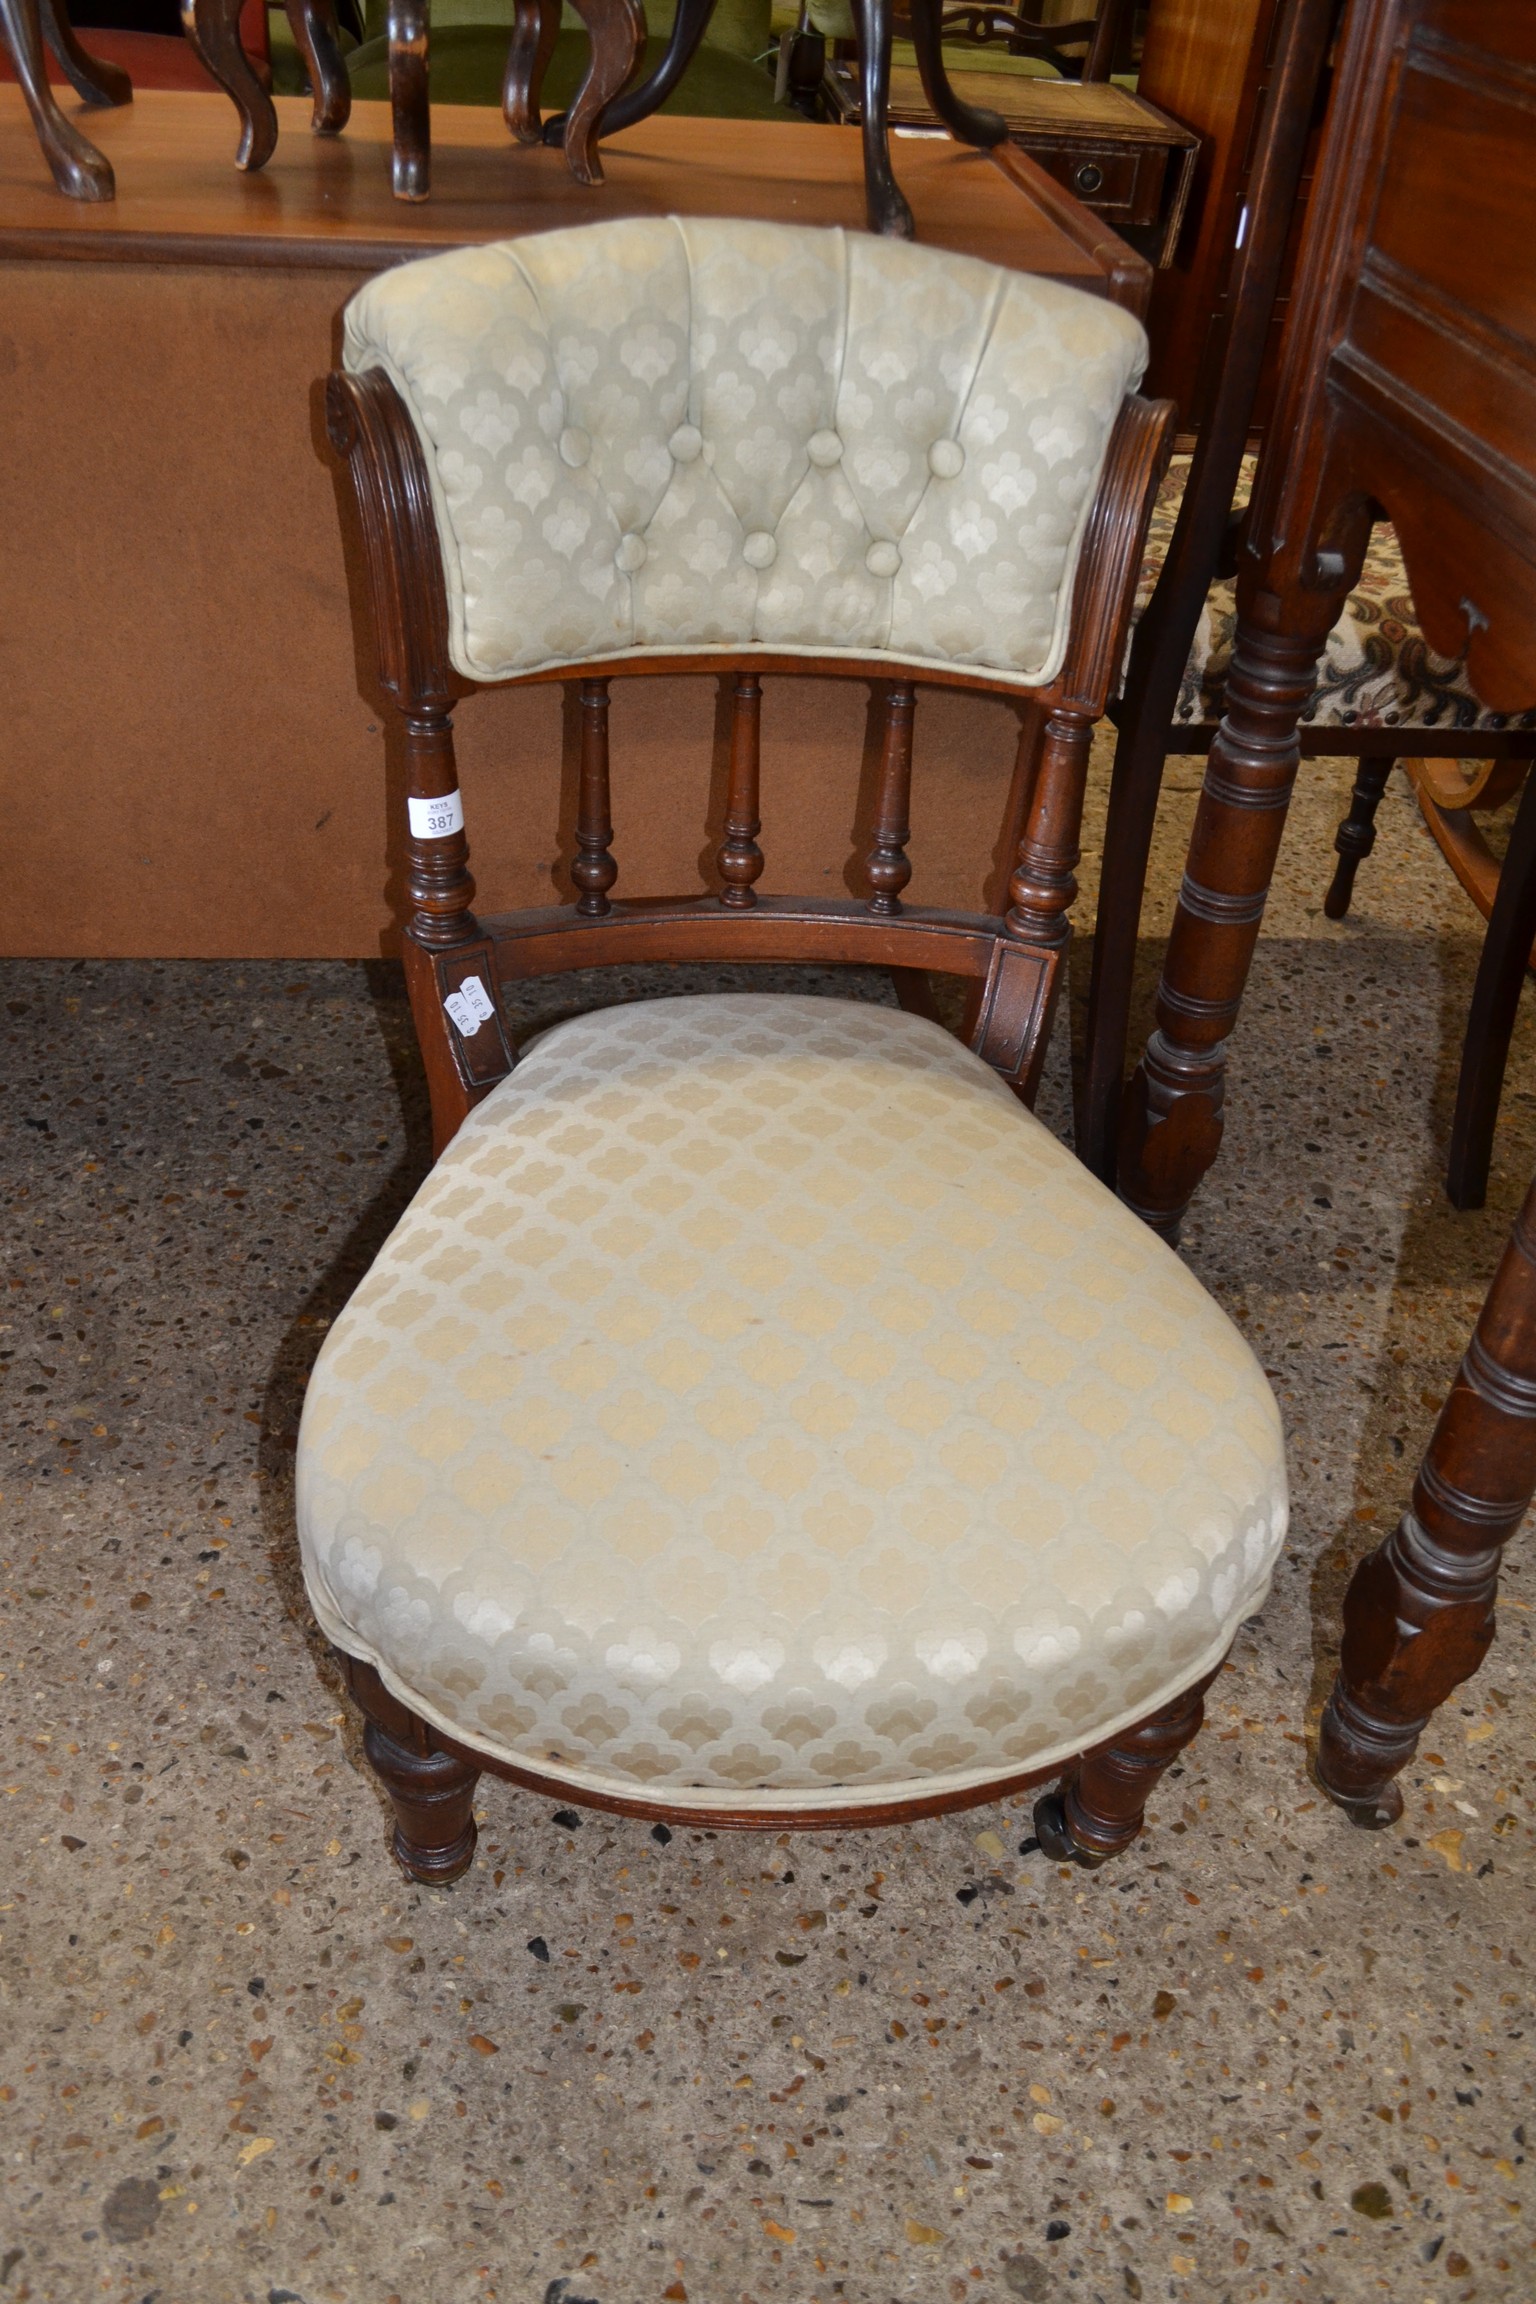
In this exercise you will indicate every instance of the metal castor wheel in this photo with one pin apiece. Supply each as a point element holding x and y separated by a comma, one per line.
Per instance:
<point>1054,1835</point>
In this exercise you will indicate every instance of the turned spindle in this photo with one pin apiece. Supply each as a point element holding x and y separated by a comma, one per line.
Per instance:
<point>740,858</point>
<point>888,868</point>
<point>594,870</point>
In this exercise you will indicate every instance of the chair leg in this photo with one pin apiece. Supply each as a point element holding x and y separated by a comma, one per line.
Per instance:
<point>318,36</point>
<point>1356,835</point>
<point>1419,1612</point>
<point>1098,1809</point>
<point>638,103</point>
<point>93,79</point>
<point>1491,1021</point>
<point>409,64</point>
<point>971,123</point>
<point>78,169</point>
<point>431,1791</point>
<point>433,1796</point>
<point>535,29</point>
<point>213,28</point>
<point>884,199</point>
<point>616,30</point>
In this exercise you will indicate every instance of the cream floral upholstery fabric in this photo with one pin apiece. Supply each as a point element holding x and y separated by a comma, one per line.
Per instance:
<point>757,1402</point>
<point>1377,671</point>
<point>660,434</point>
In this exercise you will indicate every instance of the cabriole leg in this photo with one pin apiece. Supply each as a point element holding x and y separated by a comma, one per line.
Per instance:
<point>616,30</point>
<point>93,79</point>
<point>1419,1612</point>
<point>213,27</point>
<point>888,210</point>
<point>77,168</point>
<point>318,36</point>
<point>1098,1810</point>
<point>971,123</point>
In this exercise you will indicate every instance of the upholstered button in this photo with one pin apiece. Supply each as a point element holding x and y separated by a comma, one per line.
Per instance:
<point>946,459</point>
<point>760,549</point>
<point>686,444</point>
<point>630,556</point>
<point>824,448</point>
<point>882,559</point>
<point>575,446</point>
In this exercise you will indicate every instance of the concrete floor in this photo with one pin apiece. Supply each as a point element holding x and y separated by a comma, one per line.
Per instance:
<point>243,2062</point>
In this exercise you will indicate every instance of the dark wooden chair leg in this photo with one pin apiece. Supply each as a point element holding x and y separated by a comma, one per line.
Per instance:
<point>884,199</point>
<point>1098,1809</point>
<point>616,30</point>
<point>535,29</point>
<point>93,79</point>
<point>213,27</point>
<point>1419,1612</point>
<point>971,123</point>
<point>1356,836</point>
<point>1495,999</point>
<point>409,65</point>
<point>648,95</point>
<point>432,1791</point>
<point>1172,1116</point>
<point>77,168</point>
<point>318,35</point>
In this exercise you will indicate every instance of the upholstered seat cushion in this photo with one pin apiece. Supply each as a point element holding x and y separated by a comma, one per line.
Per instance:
<point>1378,671</point>
<point>700,433</point>
<point>756,1401</point>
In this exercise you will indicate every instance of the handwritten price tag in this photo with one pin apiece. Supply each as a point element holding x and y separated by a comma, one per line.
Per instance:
<point>435,819</point>
<point>470,1006</point>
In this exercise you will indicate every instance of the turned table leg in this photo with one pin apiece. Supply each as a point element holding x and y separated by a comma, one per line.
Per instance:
<point>1419,1612</point>
<point>213,27</point>
<point>77,168</point>
<point>409,67</point>
<point>1098,1810</point>
<point>1172,1114</point>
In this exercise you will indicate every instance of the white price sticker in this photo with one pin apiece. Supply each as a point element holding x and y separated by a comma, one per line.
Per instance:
<point>435,819</point>
<point>470,1006</point>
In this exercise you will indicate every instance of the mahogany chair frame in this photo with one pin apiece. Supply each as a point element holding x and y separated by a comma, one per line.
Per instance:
<point>26,27</point>
<point>213,27</point>
<point>1012,965</point>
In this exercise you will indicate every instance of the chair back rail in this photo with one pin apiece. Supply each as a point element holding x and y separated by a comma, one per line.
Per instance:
<point>455,961</point>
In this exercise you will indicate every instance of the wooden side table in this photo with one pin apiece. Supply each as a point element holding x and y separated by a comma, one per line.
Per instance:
<point>1114,152</point>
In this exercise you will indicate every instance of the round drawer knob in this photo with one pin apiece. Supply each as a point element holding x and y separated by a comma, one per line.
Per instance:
<point>1088,176</point>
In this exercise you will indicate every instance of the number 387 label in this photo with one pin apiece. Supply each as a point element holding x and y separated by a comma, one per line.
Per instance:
<point>435,819</point>
<point>470,1006</point>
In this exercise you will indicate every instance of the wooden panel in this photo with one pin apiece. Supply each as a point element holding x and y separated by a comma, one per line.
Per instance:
<point>1202,63</point>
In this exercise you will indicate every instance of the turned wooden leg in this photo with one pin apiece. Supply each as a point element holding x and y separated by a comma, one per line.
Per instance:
<point>535,29</point>
<point>1098,1809</point>
<point>213,27</point>
<point>616,31</point>
<point>318,36</point>
<point>1419,1612</point>
<point>888,210</point>
<point>1356,836</point>
<point>93,79</point>
<point>78,169</point>
<point>971,123</point>
<point>1172,1115</point>
<point>1501,971</point>
<point>432,1791</point>
<point>409,97</point>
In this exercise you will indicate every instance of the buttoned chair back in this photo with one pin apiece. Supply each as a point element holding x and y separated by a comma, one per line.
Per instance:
<point>758,1414</point>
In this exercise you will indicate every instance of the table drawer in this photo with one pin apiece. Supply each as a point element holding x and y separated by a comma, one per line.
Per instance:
<point>1123,185</point>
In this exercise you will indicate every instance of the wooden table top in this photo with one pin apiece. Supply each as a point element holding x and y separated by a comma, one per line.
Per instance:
<point>326,201</point>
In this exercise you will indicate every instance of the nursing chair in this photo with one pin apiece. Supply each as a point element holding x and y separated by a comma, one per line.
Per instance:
<point>758,1419</point>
